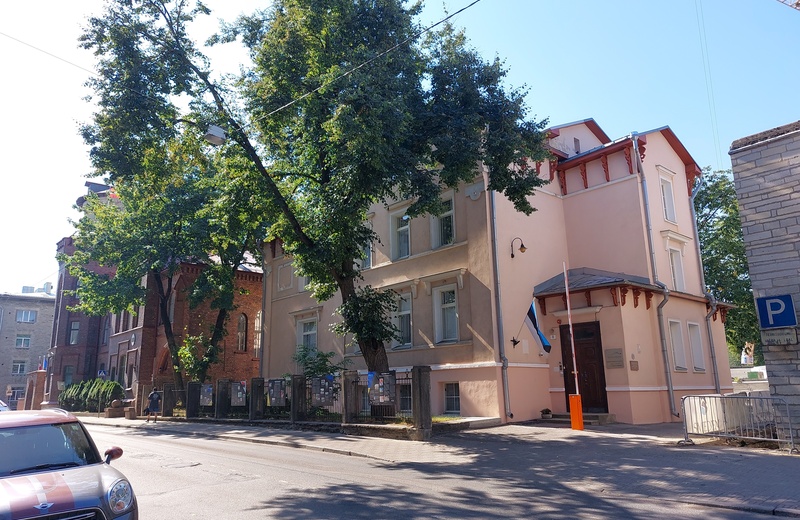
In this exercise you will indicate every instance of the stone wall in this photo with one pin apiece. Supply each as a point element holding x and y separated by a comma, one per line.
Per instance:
<point>766,173</point>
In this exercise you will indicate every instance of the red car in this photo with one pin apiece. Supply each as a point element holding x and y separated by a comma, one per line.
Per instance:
<point>50,468</point>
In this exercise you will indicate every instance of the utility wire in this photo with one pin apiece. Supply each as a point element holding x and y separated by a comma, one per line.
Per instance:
<point>364,64</point>
<point>48,53</point>
<point>294,101</point>
<point>709,83</point>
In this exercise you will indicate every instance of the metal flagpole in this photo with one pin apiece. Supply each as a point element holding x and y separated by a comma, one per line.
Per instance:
<point>575,405</point>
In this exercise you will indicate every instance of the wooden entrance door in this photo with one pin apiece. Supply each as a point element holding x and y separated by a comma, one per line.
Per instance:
<point>589,358</point>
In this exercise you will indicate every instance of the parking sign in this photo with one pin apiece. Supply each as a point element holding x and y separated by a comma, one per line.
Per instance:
<point>776,311</point>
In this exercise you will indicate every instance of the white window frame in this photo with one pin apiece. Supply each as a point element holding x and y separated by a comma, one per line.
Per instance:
<point>437,222</point>
<point>439,310</point>
<point>26,315</point>
<point>302,283</point>
<point>366,261</point>
<point>452,400</point>
<point>257,326</point>
<point>241,333</point>
<point>17,394</point>
<point>73,334</point>
<point>402,314</point>
<point>694,332</point>
<point>303,335</point>
<point>401,233</point>
<point>19,367</point>
<point>676,269</point>
<point>21,342</point>
<point>678,349</point>
<point>668,200</point>
<point>69,370</point>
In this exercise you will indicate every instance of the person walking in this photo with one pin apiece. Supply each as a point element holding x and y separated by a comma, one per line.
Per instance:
<point>154,407</point>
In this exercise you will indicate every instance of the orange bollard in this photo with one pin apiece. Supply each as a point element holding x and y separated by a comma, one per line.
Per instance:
<point>576,411</point>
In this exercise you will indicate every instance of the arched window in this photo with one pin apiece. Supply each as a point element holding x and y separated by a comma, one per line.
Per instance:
<point>241,333</point>
<point>257,336</point>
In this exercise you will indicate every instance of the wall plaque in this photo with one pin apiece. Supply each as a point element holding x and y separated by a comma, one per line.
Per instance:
<point>614,358</point>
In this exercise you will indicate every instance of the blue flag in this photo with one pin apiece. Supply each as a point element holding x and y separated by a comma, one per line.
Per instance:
<point>533,326</point>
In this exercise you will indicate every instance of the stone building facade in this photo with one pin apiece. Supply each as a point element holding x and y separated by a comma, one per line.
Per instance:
<point>26,327</point>
<point>766,173</point>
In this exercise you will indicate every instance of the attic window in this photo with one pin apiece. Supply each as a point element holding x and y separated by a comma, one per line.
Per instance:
<point>577,143</point>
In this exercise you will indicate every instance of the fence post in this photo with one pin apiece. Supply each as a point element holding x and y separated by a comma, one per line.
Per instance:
<point>193,399</point>
<point>350,396</point>
<point>168,400</point>
<point>298,398</point>
<point>421,402</point>
<point>223,403</point>
<point>256,398</point>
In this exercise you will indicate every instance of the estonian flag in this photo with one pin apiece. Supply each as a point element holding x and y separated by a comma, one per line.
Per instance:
<point>533,326</point>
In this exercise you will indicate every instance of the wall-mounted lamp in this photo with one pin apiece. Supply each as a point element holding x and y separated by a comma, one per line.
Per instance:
<point>215,135</point>
<point>521,248</point>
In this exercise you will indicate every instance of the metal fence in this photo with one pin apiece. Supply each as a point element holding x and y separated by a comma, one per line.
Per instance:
<point>377,398</point>
<point>382,399</point>
<point>737,416</point>
<point>323,400</point>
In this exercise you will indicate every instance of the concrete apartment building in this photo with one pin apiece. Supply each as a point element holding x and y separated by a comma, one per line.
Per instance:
<point>26,326</point>
<point>617,213</point>
<point>766,173</point>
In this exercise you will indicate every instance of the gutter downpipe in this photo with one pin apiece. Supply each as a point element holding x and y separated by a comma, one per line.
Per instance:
<point>712,300</point>
<point>656,281</point>
<point>500,336</point>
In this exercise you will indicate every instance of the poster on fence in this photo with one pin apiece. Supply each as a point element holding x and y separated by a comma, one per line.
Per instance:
<point>207,395</point>
<point>276,392</point>
<point>381,388</point>
<point>322,391</point>
<point>238,392</point>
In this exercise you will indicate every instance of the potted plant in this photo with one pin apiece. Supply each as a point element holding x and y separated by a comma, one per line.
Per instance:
<point>547,413</point>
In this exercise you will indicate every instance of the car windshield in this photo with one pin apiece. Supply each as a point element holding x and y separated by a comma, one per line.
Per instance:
<point>45,447</point>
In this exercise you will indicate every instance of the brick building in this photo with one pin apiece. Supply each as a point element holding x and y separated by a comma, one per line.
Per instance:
<point>131,347</point>
<point>26,326</point>
<point>766,173</point>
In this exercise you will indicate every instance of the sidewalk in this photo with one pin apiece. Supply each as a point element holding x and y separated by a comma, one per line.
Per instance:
<point>641,462</point>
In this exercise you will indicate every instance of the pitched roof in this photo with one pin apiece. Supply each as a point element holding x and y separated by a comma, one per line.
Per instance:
<point>585,278</point>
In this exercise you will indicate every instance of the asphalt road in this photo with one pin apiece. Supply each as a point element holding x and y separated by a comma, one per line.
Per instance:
<point>177,477</point>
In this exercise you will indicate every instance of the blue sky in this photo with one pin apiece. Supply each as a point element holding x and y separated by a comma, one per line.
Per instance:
<point>632,66</point>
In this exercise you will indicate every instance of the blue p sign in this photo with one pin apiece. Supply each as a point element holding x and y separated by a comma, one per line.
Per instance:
<point>776,311</point>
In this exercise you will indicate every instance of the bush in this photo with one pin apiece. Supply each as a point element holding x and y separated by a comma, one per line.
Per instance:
<point>90,396</point>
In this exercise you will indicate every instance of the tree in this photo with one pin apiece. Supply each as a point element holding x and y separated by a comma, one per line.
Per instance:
<point>344,106</point>
<point>724,261</point>
<point>183,208</point>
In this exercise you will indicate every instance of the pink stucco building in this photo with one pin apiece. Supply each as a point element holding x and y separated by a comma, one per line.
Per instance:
<point>617,214</point>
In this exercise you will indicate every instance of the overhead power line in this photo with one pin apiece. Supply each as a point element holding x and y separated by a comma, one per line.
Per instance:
<point>294,101</point>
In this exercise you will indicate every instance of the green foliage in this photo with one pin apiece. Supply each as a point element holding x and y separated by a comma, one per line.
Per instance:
<point>724,261</point>
<point>87,395</point>
<point>316,363</point>
<point>197,354</point>
<point>408,125</point>
<point>366,315</point>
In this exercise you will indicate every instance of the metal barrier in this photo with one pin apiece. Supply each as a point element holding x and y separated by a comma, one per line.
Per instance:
<point>381,404</point>
<point>738,417</point>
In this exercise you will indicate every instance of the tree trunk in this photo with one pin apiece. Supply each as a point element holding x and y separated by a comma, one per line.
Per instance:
<point>372,349</point>
<point>374,355</point>
<point>163,305</point>
<point>210,355</point>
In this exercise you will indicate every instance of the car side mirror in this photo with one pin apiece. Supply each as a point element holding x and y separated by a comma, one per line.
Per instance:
<point>113,453</point>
